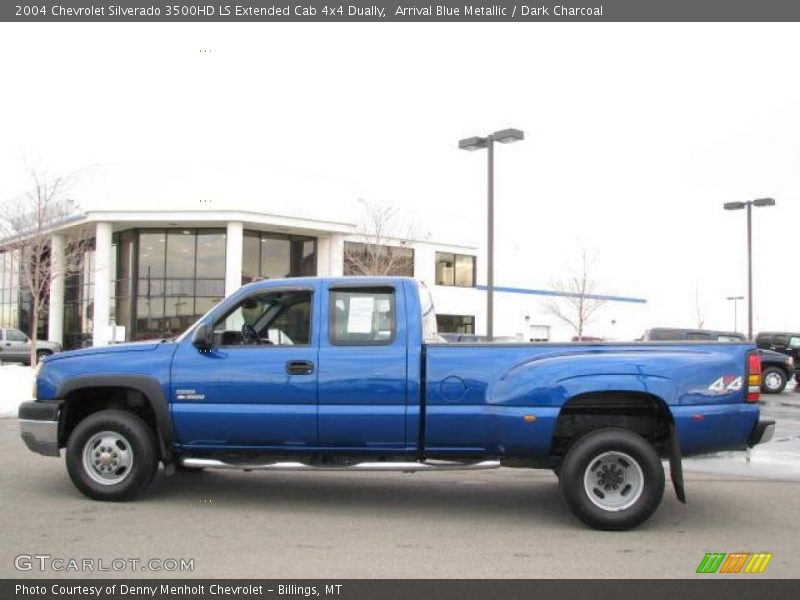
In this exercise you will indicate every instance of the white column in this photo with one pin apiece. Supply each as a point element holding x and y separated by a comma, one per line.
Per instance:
<point>323,256</point>
<point>55,317</point>
<point>336,255</point>
<point>234,246</point>
<point>102,285</point>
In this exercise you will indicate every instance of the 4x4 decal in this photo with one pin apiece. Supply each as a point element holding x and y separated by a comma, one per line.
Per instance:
<point>727,384</point>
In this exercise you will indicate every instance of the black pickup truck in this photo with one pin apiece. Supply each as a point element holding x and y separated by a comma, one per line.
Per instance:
<point>783,342</point>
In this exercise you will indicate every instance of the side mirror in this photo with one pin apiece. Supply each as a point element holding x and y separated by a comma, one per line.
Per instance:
<point>203,337</point>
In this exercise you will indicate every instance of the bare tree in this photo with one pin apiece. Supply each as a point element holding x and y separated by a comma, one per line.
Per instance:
<point>26,224</point>
<point>377,251</point>
<point>579,299</point>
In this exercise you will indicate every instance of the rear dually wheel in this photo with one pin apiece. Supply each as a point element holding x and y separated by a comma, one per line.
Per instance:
<point>612,479</point>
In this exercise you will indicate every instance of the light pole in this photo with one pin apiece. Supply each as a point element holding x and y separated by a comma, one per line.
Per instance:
<point>504,136</point>
<point>735,311</point>
<point>749,206</point>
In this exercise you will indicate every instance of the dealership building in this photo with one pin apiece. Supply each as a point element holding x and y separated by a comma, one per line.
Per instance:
<point>165,244</point>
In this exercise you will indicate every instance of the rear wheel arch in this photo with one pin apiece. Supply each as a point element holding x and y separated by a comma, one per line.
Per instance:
<point>142,396</point>
<point>644,414</point>
<point>641,412</point>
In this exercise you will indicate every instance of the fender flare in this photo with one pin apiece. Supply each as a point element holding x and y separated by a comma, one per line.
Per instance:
<point>147,385</point>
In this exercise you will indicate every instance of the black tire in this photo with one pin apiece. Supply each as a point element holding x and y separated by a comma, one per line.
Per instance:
<point>136,438</point>
<point>612,448</point>
<point>40,354</point>
<point>773,380</point>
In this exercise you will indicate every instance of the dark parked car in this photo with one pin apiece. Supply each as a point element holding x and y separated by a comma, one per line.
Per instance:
<point>785,342</point>
<point>777,368</point>
<point>669,334</point>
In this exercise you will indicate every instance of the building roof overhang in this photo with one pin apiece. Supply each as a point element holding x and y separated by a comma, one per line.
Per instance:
<point>127,219</point>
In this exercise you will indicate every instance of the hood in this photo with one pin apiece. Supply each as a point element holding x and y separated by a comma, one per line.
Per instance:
<point>771,354</point>
<point>116,348</point>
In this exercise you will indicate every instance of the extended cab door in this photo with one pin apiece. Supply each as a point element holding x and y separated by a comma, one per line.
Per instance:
<point>363,367</point>
<point>257,386</point>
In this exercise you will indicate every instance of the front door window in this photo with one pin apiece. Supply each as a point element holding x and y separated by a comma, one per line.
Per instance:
<point>279,318</point>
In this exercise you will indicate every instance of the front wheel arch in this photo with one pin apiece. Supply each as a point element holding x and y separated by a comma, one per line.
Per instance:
<point>76,390</point>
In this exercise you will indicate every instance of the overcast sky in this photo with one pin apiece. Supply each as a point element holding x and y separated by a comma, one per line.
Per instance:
<point>635,133</point>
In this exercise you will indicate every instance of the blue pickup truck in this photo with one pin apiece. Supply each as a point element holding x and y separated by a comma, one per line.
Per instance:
<point>350,374</point>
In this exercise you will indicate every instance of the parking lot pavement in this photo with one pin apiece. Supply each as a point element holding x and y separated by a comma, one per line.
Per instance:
<point>504,523</point>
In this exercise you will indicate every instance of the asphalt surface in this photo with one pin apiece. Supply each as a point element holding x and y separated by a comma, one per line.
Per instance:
<point>502,523</point>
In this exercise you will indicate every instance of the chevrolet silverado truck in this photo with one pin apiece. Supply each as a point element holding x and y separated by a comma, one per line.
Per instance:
<point>350,374</point>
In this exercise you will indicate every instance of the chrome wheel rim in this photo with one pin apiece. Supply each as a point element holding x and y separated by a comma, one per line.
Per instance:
<point>773,381</point>
<point>613,481</point>
<point>107,458</point>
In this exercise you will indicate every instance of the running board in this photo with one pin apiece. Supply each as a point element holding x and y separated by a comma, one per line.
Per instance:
<point>211,463</point>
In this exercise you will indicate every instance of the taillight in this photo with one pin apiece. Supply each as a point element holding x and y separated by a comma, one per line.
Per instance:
<point>753,377</point>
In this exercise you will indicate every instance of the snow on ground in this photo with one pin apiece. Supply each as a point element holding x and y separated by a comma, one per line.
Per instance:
<point>16,386</point>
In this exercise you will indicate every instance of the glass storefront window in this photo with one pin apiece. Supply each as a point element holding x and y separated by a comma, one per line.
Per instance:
<point>251,257</point>
<point>152,254</point>
<point>79,299</point>
<point>210,254</point>
<point>276,255</point>
<point>306,262</point>
<point>164,279</point>
<point>9,289</point>
<point>190,279</point>
<point>275,261</point>
<point>181,254</point>
<point>149,317</point>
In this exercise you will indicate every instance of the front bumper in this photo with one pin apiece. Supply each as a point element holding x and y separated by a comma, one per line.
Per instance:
<point>38,424</point>
<point>762,433</point>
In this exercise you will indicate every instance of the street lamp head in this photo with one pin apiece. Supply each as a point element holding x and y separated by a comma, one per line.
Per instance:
<point>473,143</point>
<point>764,202</point>
<point>734,205</point>
<point>735,297</point>
<point>506,136</point>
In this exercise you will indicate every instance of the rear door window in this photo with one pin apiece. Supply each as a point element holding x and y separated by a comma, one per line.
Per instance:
<point>362,316</point>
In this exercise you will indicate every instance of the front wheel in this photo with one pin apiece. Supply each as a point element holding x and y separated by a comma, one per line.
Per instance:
<point>112,455</point>
<point>612,479</point>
